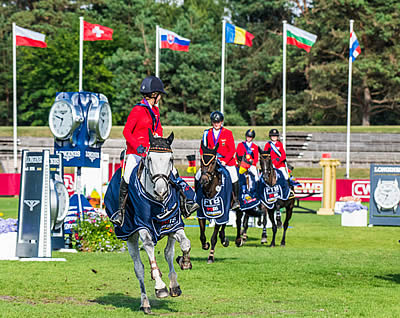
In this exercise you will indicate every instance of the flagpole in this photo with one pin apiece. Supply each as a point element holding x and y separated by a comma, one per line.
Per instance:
<point>349,108</point>
<point>80,52</point>
<point>157,51</point>
<point>15,97</point>
<point>284,85</point>
<point>223,66</point>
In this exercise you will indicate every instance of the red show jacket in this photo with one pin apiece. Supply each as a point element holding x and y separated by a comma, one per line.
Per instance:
<point>241,150</point>
<point>277,161</point>
<point>226,146</point>
<point>136,130</point>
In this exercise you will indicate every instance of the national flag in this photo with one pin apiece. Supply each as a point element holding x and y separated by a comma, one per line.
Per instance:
<point>299,37</point>
<point>171,40</point>
<point>96,32</point>
<point>245,164</point>
<point>355,48</point>
<point>234,34</point>
<point>192,164</point>
<point>25,37</point>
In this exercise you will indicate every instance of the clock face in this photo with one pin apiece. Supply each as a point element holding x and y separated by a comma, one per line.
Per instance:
<point>63,203</point>
<point>105,121</point>
<point>61,119</point>
<point>387,195</point>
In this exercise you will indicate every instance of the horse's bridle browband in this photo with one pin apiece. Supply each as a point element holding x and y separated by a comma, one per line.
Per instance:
<point>159,149</point>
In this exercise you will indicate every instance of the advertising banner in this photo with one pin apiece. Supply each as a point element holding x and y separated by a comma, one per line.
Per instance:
<point>385,195</point>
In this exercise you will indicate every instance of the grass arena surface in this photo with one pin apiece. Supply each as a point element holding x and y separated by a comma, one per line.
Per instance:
<point>325,270</point>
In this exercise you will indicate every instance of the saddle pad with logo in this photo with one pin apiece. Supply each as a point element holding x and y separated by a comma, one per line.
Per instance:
<point>248,191</point>
<point>270,194</point>
<point>142,211</point>
<point>216,208</point>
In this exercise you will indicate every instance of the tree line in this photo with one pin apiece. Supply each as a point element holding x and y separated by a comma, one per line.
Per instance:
<point>316,81</point>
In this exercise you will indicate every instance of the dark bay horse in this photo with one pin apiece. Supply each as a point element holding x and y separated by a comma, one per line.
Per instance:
<point>274,198</point>
<point>209,187</point>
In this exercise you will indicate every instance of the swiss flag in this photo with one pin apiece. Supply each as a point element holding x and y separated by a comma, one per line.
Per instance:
<point>96,32</point>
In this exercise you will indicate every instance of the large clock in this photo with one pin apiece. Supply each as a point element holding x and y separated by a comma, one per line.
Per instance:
<point>387,194</point>
<point>64,118</point>
<point>99,120</point>
<point>59,203</point>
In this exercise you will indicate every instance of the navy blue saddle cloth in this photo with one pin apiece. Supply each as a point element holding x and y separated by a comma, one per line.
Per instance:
<point>270,194</point>
<point>248,191</point>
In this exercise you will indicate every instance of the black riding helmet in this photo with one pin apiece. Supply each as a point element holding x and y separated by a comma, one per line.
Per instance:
<point>251,133</point>
<point>152,84</point>
<point>216,117</point>
<point>274,132</point>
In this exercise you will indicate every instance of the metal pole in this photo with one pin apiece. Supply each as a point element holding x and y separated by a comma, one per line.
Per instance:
<point>349,110</point>
<point>157,51</point>
<point>284,85</point>
<point>80,52</point>
<point>223,66</point>
<point>15,97</point>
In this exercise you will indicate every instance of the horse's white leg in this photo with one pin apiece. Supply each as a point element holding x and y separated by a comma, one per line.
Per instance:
<point>148,245</point>
<point>133,248</point>
<point>169,252</point>
<point>184,242</point>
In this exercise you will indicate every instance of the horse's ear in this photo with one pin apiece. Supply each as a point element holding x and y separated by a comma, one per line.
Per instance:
<point>170,138</point>
<point>151,138</point>
<point>202,146</point>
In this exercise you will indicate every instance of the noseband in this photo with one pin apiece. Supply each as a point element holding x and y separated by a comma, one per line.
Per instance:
<point>158,176</point>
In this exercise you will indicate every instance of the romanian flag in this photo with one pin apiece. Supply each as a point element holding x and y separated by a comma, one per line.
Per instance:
<point>234,34</point>
<point>300,38</point>
<point>192,164</point>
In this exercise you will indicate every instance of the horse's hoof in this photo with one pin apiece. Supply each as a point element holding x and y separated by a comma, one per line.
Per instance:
<point>205,246</point>
<point>239,242</point>
<point>271,245</point>
<point>184,262</point>
<point>175,291</point>
<point>244,237</point>
<point>146,310</point>
<point>283,244</point>
<point>263,240</point>
<point>210,260</point>
<point>225,243</point>
<point>162,293</point>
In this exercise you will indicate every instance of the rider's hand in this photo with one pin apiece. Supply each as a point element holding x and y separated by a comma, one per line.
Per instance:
<point>223,163</point>
<point>140,149</point>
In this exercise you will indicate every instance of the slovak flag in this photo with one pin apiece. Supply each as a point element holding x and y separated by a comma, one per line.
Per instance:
<point>172,41</point>
<point>96,32</point>
<point>355,48</point>
<point>25,37</point>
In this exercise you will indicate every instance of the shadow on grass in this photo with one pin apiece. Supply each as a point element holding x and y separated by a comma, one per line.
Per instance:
<point>133,303</point>
<point>391,277</point>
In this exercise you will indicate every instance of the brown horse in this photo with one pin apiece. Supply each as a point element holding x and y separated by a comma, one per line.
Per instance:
<point>269,176</point>
<point>209,182</point>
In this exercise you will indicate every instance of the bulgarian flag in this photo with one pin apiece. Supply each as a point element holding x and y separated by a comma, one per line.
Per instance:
<point>300,38</point>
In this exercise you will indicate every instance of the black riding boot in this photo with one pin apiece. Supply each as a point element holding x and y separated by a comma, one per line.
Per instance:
<point>118,217</point>
<point>235,193</point>
<point>291,194</point>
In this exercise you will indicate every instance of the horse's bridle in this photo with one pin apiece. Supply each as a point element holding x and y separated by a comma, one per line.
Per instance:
<point>158,176</point>
<point>209,174</point>
<point>268,169</point>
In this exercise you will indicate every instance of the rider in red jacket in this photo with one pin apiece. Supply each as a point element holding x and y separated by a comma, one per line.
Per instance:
<point>143,116</point>
<point>249,148</point>
<point>226,150</point>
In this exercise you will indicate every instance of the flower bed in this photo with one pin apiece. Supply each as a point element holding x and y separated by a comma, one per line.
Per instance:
<point>96,234</point>
<point>8,225</point>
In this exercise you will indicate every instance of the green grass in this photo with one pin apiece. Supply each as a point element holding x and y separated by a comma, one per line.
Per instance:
<point>195,132</point>
<point>325,271</point>
<point>8,207</point>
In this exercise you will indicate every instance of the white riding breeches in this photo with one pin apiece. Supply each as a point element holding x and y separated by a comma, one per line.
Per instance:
<point>253,170</point>
<point>231,169</point>
<point>131,162</point>
<point>285,172</point>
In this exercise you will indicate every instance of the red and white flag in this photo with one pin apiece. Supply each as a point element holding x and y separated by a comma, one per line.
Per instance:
<point>96,32</point>
<point>25,37</point>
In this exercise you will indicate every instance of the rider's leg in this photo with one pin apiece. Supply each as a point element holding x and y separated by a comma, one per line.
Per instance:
<point>189,204</point>
<point>286,175</point>
<point>131,162</point>
<point>235,186</point>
